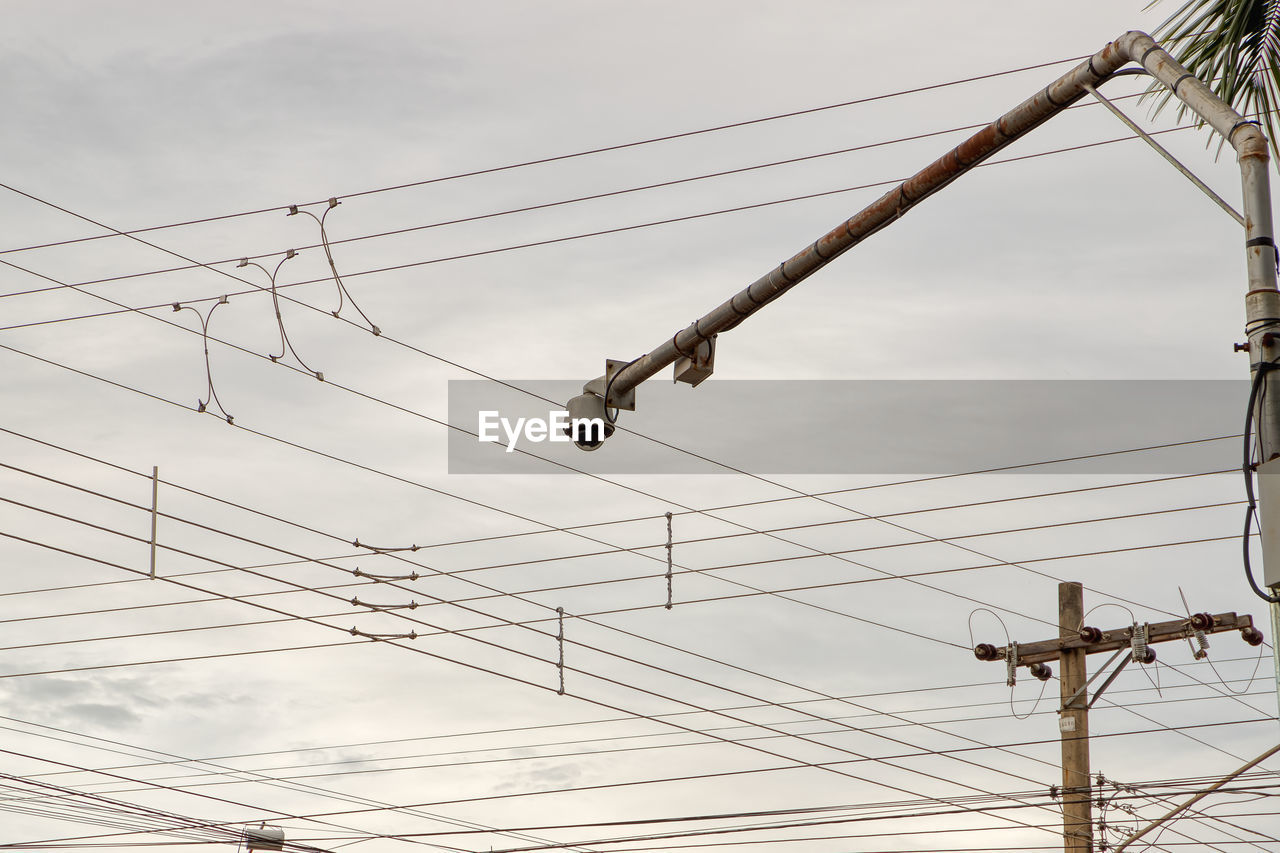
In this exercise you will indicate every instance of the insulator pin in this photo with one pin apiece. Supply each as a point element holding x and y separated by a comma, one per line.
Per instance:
<point>986,651</point>
<point>1090,634</point>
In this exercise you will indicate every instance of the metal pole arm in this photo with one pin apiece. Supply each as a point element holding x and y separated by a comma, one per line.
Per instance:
<point>1106,641</point>
<point>1244,136</point>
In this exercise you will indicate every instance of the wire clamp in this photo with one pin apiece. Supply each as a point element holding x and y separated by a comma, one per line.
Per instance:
<point>1011,663</point>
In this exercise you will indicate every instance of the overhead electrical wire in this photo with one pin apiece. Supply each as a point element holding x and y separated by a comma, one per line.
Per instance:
<point>757,674</point>
<point>562,157</point>
<point>254,288</point>
<point>793,763</point>
<point>500,213</point>
<point>431,355</point>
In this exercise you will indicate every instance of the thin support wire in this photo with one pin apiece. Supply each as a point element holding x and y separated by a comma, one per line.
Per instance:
<point>155,514</point>
<point>1231,211</point>
<point>333,268</point>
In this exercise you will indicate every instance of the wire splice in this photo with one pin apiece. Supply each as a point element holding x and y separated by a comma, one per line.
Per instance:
<point>669,563</point>
<point>333,268</point>
<point>560,642</point>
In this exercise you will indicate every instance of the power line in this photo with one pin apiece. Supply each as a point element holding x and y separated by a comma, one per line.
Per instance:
<point>554,158</point>
<point>467,255</point>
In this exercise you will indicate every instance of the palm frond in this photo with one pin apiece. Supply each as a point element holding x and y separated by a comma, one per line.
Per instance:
<point>1234,46</point>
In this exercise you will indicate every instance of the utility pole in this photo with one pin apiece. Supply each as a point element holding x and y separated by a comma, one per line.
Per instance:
<point>1073,725</point>
<point>1075,642</point>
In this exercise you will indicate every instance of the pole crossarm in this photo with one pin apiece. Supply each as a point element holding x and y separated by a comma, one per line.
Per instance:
<point>1091,640</point>
<point>1244,136</point>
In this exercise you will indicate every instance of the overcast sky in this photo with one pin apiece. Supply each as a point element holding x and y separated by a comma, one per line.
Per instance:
<point>796,658</point>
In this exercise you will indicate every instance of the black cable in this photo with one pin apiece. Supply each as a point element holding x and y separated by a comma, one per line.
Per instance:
<point>1247,467</point>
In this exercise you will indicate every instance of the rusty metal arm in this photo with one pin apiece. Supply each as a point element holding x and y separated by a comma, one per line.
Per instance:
<point>1106,641</point>
<point>1245,137</point>
<point>1197,798</point>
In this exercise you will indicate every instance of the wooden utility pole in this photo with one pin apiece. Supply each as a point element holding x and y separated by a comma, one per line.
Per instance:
<point>1075,642</point>
<point>1073,724</point>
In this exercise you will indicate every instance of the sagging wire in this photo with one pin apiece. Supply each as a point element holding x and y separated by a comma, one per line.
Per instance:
<point>1104,803</point>
<point>1044,683</point>
<point>1011,663</point>
<point>211,396</point>
<point>333,268</point>
<point>275,301</point>
<point>1202,653</point>
<point>1257,664</point>
<point>1133,619</point>
<point>1257,389</point>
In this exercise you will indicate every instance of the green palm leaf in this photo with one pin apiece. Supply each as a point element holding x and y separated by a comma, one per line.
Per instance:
<point>1233,45</point>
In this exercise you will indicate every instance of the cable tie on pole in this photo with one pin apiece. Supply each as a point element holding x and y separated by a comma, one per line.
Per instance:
<point>560,642</point>
<point>669,564</point>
